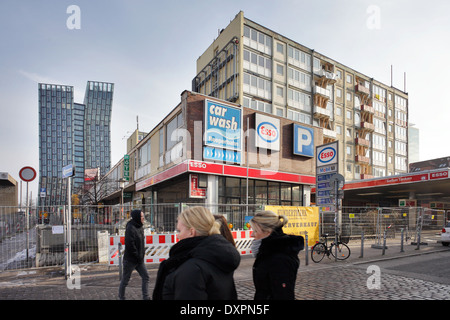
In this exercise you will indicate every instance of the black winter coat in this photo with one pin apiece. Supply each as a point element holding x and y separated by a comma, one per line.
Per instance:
<point>276,265</point>
<point>198,268</point>
<point>134,240</point>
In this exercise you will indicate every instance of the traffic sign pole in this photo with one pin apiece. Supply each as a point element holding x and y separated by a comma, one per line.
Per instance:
<point>27,174</point>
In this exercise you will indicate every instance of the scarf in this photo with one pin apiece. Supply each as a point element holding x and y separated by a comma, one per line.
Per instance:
<point>178,254</point>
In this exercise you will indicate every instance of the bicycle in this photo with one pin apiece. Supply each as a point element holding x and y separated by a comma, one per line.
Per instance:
<point>319,250</point>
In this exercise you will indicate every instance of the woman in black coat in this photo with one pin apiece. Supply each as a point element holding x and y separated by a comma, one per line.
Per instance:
<point>201,265</point>
<point>276,264</point>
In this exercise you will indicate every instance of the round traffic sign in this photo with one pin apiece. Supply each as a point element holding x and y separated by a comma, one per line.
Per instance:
<point>27,174</point>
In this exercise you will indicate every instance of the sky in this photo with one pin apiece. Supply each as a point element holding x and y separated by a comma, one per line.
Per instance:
<point>149,49</point>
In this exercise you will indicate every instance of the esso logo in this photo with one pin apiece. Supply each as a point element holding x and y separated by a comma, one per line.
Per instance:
<point>196,164</point>
<point>268,132</point>
<point>326,155</point>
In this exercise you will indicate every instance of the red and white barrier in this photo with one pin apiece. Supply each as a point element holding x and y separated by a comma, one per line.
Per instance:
<point>243,240</point>
<point>157,246</point>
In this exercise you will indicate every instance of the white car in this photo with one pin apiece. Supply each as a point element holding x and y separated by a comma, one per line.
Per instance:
<point>445,235</point>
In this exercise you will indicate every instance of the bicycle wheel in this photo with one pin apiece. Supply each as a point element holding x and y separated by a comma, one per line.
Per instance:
<point>343,251</point>
<point>318,252</point>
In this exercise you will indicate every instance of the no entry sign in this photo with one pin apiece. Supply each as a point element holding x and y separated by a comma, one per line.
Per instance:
<point>27,174</point>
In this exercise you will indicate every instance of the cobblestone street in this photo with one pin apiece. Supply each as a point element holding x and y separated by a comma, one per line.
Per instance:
<point>328,281</point>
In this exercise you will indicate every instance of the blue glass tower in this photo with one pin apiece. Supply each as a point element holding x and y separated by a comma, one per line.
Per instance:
<point>55,140</point>
<point>98,101</point>
<point>72,133</point>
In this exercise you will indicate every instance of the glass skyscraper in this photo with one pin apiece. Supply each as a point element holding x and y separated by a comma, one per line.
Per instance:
<point>72,133</point>
<point>98,102</point>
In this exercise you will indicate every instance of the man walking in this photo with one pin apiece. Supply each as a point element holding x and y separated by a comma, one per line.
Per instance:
<point>134,254</point>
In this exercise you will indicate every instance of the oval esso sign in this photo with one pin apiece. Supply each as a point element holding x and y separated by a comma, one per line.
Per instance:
<point>268,132</point>
<point>326,155</point>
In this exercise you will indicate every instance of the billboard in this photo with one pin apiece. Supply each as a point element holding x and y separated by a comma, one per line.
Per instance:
<point>223,126</point>
<point>300,219</point>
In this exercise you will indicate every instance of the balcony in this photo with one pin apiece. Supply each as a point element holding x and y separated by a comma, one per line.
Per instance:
<point>368,109</point>
<point>329,133</point>
<point>327,76</point>
<point>362,159</point>
<point>320,112</point>
<point>367,126</point>
<point>362,142</point>
<point>362,89</point>
<point>322,92</point>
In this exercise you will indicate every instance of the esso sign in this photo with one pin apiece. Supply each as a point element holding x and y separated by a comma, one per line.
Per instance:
<point>326,155</point>
<point>197,164</point>
<point>268,132</point>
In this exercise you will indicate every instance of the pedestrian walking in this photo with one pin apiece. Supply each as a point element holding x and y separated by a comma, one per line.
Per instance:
<point>134,254</point>
<point>201,265</point>
<point>276,263</point>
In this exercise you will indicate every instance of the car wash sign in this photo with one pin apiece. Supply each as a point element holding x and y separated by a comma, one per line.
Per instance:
<point>223,131</point>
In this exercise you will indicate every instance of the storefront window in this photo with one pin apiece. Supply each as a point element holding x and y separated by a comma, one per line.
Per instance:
<point>234,191</point>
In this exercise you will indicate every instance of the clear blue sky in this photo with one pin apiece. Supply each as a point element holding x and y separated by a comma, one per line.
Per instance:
<point>149,50</point>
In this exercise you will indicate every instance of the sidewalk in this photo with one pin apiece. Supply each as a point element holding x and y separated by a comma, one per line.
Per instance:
<point>100,282</point>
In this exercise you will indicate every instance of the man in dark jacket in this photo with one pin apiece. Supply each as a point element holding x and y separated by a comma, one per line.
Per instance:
<point>134,254</point>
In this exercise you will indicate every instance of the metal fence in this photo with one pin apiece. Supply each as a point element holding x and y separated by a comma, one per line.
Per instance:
<point>41,241</point>
<point>373,222</point>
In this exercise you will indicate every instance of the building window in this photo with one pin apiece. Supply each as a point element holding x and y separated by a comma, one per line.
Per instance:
<point>260,192</point>
<point>299,58</point>
<point>280,91</point>
<point>299,79</point>
<point>299,100</point>
<point>257,86</point>
<point>257,40</point>
<point>350,79</point>
<point>280,48</point>
<point>349,114</point>
<point>280,69</point>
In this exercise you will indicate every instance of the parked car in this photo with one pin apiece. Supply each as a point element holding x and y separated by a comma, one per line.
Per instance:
<point>445,235</point>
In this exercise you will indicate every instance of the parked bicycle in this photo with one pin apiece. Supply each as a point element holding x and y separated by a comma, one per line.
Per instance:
<point>320,249</point>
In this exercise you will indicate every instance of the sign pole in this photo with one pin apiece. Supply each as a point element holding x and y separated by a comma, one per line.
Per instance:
<point>68,172</point>
<point>27,174</point>
<point>69,229</point>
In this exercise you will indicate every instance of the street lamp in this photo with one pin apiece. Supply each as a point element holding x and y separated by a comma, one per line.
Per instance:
<point>121,186</point>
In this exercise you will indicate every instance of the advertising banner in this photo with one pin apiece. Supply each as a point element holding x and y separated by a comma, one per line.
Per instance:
<point>223,126</point>
<point>267,132</point>
<point>300,219</point>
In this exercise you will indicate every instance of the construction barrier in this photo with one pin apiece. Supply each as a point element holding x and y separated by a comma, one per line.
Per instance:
<point>157,246</point>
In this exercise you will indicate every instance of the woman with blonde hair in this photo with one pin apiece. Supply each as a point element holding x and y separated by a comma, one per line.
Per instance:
<point>276,264</point>
<point>201,265</point>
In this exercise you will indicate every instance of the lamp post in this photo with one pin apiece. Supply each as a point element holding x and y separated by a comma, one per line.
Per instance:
<point>121,186</point>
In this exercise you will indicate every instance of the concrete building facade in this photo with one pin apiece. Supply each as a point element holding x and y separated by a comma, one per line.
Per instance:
<point>251,65</point>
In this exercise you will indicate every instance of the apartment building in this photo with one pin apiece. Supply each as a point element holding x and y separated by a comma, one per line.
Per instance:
<point>250,65</point>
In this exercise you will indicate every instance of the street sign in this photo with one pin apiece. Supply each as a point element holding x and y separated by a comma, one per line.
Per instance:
<point>126,167</point>
<point>327,167</point>
<point>68,171</point>
<point>340,181</point>
<point>27,174</point>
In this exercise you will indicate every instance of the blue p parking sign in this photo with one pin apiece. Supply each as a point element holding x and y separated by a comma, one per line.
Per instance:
<point>303,141</point>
